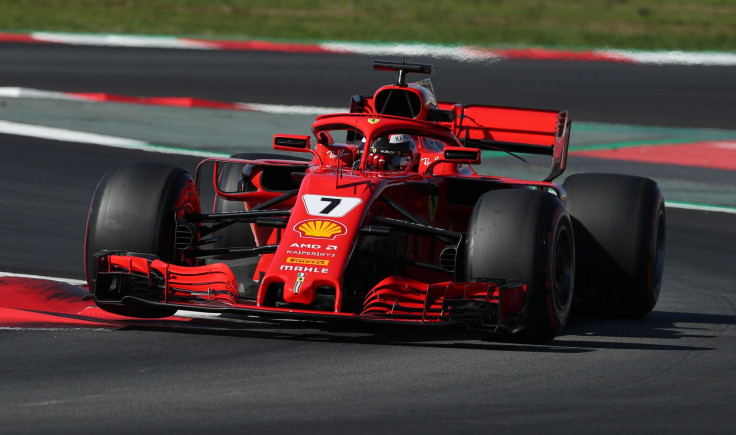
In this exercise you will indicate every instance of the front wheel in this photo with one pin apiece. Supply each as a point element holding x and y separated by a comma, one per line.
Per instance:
<point>135,208</point>
<point>525,235</point>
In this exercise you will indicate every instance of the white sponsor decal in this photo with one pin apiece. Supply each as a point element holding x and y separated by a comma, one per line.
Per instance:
<point>310,253</point>
<point>330,206</point>
<point>305,269</point>
<point>427,161</point>
<point>313,246</point>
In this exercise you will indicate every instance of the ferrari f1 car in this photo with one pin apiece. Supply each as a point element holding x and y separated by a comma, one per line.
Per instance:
<point>385,221</point>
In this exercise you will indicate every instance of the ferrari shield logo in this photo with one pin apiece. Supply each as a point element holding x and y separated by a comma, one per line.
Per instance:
<point>433,200</point>
<point>299,281</point>
<point>373,120</point>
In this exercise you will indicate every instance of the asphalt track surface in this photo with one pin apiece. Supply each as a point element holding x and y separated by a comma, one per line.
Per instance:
<point>679,96</point>
<point>671,372</point>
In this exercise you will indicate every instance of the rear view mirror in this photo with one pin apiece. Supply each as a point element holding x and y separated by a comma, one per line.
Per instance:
<point>292,142</point>
<point>461,155</point>
<point>456,155</point>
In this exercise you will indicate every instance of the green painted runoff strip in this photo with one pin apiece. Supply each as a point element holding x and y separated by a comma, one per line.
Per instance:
<point>632,144</point>
<point>702,207</point>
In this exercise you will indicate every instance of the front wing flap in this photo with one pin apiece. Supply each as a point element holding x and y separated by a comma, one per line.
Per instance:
<point>129,274</point>
<point>495,306</point>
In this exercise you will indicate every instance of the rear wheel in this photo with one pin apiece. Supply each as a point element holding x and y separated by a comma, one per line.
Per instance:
<point>525,235</point>
<point>135,208</point>
<point>619,224</point>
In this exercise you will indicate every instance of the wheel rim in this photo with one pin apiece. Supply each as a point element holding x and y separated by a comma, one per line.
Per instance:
<point>563,271</point>
<point>187,203</point>
<point>658,260</point>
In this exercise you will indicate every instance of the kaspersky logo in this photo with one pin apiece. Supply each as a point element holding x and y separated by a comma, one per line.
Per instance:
<point>320,229</point>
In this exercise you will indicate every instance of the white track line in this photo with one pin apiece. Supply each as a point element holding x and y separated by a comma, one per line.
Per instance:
<point>675,57</point>
<point>76,282</point>
<point>459,53</point>
<point>64,135</point>
<point>14,92</point>
<point>291,110</point>
<point>120,40</point>
<point>701,207</point>
<point>279,109</point>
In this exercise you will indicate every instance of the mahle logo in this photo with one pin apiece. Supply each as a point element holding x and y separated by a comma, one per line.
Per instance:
<point>320,229</point>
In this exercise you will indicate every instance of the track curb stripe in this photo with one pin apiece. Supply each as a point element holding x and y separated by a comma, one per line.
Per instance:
<point>77,282</point>
<point>185,102</point>
<point>457,52</point>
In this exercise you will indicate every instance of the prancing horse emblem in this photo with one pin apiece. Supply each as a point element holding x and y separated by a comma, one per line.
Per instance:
<point>433,200</point>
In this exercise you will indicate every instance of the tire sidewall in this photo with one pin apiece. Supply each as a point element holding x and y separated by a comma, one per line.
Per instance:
<point>512,235</point>
<point>148,224</point>
<point>135,208</point>
<point>619,224</point>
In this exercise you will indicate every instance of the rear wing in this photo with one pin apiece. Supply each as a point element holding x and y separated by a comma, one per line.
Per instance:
<point>513,130</point>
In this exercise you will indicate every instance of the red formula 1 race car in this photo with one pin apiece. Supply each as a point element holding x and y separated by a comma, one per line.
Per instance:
<point>386,221</point>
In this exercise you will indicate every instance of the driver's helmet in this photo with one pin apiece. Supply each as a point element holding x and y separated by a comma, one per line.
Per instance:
<point>395,152</point>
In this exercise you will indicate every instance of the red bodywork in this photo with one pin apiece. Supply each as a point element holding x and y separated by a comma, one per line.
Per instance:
<point>375,246</point>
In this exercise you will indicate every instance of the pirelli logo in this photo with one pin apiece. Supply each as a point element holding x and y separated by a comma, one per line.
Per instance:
<point>309,261</point>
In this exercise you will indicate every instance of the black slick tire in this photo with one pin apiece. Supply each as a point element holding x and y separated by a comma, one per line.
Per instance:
<point>619,226</point>
<point>525,235</point>
<point>134,208</point>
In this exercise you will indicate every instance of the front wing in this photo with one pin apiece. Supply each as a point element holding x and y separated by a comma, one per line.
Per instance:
<point>125,278</point>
